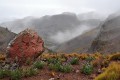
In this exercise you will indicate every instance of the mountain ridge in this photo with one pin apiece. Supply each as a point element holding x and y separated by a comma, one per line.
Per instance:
<point>48,26</point>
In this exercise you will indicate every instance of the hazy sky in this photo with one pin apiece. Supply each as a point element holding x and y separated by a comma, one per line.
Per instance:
<point>11,9</point>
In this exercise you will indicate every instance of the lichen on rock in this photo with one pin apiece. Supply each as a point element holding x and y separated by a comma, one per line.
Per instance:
<point>27,44</point>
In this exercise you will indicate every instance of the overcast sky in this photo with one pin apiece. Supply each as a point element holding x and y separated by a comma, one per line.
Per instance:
<point>12,9</point>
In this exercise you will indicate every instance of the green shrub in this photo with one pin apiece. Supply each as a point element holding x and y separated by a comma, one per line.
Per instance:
<point>87,69</point>
<point>4,73</point>
<point>59,67</point>
<point>55,67</point>
<point>74,61</point>
<point>53,60</point>
<point>66,68</point>
<point>16,74</point>
<point>90,58</point>
<point>39,64</point>
<point>29,72</point>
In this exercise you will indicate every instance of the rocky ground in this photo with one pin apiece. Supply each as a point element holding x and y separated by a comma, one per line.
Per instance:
<point>74,70</point>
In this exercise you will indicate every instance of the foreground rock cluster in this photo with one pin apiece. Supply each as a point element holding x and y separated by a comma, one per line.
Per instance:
<point>27,44</point>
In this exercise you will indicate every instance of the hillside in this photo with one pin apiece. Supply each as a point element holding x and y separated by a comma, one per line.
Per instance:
<point>5,37</point>
<point>80,43</point>
<point>108,38</point>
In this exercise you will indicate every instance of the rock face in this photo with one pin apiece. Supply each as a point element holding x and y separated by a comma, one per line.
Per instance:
<point>108,39</point>
<point>27,44</point>
<point>5,37</point>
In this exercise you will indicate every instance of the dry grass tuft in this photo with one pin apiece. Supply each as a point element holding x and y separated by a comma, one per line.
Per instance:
<point>111,73</point>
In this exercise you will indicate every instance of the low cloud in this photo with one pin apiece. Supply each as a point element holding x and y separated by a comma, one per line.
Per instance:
<point>61,37</point>
<point>21,8</point>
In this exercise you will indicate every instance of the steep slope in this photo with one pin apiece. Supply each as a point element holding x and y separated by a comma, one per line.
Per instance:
<point>5,37</point>
<point>80,43</point>
<point>108,40</point>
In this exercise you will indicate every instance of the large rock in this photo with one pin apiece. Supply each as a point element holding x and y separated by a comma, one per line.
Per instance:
<point>27,44</point>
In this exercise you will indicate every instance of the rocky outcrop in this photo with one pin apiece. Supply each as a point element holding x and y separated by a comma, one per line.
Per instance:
<point>27,44</point>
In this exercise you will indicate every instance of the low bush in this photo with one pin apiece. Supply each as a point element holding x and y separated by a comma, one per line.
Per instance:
<point>83,56</point>
<point>74,61</point>
<point>66,68</point>
<point>87,69</point>
<point>90,58</point>
<point>53,60</point>
<point>95,63</point>
<point>56,66</point>
<point>59,67</point>
<point>29,72</point>
<point>16,74</point>
<point>4,73</point>
<point>39,64</point>
<point>105,63</point>
<point>115,57</point>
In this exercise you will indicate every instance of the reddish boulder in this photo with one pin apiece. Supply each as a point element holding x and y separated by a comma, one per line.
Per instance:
<point>27,44</point>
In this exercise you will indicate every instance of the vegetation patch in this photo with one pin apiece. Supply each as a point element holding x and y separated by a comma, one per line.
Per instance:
<point>115,57</point>
<point>74,61</point>
<point>16,74</point>
<point>30,72</point>
<point>111,73</point>
<point>39,64</point>
<point>59,67</point>
<point>87,69</point>
<point>68,64</point>
<point>4,73</point>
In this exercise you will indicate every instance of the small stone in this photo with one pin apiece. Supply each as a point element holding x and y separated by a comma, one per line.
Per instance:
<point>52,74</point>
<point>92,76</point>
<point>14,66</point>
<point>58,77</point>
<point>77,71</point>
<point>45,60</point>
<point>3,64</point>
<point>7,61</point>
<point>0,67</point>
<point>52,79</point>
<point>7,66</point>
<point>99,71</point>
